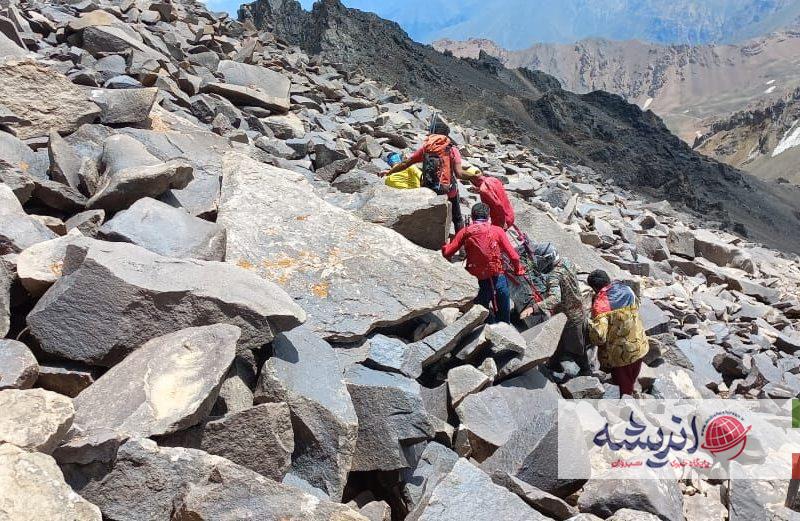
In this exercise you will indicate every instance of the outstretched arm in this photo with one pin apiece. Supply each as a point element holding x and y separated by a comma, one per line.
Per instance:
<point>450,249</point>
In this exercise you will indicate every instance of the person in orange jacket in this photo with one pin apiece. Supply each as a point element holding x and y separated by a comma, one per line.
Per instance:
<point>493,194</point>
<point>484,244</point>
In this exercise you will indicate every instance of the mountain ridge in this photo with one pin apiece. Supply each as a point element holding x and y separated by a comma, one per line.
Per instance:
<point>599,129</point>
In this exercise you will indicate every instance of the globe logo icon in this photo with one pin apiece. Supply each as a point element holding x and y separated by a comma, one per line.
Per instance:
<point>725,433</point>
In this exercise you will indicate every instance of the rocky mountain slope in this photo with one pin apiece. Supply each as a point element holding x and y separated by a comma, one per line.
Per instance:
<point>683,84</point>
<point>516,24</point>
<point>762,139</point>
<point>211,308</point>
<point>598,129</point>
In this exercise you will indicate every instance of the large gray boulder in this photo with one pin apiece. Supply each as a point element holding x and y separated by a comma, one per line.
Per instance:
<point>661,497</point>
<point>19,163</point>
<point>304,373</point>
<point>259,438</point>
<point>419,215</point>
<point>18,366</point>
<point>435,462</point>
<point>541,343</point>
<point>34,419</point>
<point>272,88</point>
<point>113,297</point>
<point>149,482</point>
<point>356,277</point>
<point>47,98</point>
<point>530,451</point>
<point>391,416</point>
<point>166,230</point>
<point>124,105</point>
<point>18,230</point>
<point>32,487</point>
<point>468,493</point>
<point>65,163</point>
<point>40,266</point>
<point>167,385</point>
<point>122,188</point>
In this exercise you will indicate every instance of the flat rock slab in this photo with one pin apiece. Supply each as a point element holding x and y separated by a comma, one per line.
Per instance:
<point>7,277</point>
<point>356,277</point>
<point>419,215</point>
<point>47,98</point>
<point>18,366</point>
<point>166,230</point>
<point>34,419</point>
<point>304,373</point>
<point>391,416</point>
<point>273,84</point>
<point>468,493</point>
<point>113,297</point>
<point>124,187</point>
<point>259,438</point>
<point>33,487</point>
<point>463,381</point>
<point>167,385</point>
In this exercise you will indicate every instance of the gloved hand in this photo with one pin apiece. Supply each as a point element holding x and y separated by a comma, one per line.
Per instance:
<point>520,271</point>
<point>383,174</point>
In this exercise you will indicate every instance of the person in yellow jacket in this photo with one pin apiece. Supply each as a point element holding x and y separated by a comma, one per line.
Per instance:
<point>617,330</point>
<point>411,177</point>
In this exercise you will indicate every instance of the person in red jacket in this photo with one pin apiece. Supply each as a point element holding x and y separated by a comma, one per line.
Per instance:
<point>493,194</point>
<point>484,244</point>
<point>438,142</point>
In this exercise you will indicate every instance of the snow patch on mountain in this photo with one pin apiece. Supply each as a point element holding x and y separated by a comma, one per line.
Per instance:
<point>790,139</point>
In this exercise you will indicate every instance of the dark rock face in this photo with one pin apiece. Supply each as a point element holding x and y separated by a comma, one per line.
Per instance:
<point>598,129</point>
<point>138,286</point>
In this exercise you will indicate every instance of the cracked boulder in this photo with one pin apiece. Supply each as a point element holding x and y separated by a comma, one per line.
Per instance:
<point>166,230</point>
<point>113,297</point>
<point>304,373</point>
<point>355,278</point>
<point>259,438</point>
<point>466,492</point>
<point>391,416</point>
<point>167,385</point>
<point>151,482</point>
<point>124,187</point>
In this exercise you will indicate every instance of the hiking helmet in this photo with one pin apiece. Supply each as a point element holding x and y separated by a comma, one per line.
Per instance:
<point>393,158</point>
<point>545,257</point>
<point>480,211</point>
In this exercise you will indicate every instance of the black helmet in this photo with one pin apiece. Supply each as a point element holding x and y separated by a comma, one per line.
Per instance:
<point>545,257</point>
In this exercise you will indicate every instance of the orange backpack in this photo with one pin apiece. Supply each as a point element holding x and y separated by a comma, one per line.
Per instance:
<point>436,163</point>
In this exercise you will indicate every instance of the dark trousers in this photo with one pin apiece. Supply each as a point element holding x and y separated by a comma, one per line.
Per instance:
<point>625,377</point>
<point>494,292</point>
<point>572,346</point>
<point>455,207</point>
